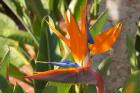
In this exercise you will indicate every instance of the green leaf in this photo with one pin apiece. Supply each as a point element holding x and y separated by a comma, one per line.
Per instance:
<point>6,58</point>
<point>9,29</point>
<point>16,73</point>
<point>75,7</point>
<point>18,89</point>
<point>49,5</point>
<point>18,5</point>
<point>9,54</point>
<point>10,5</point>
<point>12,8</point>
<point>60,87</point>
<point>61,7</point>
<point>5,87</point>
<point>15,56</point>
<point>53,7</point>
<point>4,66</point>
<point>50,89</point>
<point>37,8</point>
<point>9,57</point>
<point>95,8</point>
<point>90,89</point>
<point>4,46</point>
<point>104,65</point>
<point>43,55</point>
<point>133,85</point>
<point>131,53</point>
<point>97,27</point>
<point>9,42</point>
<point>137,44</point>
<point>54,43</point>
<point>6,23</point>
<point>22,37</point>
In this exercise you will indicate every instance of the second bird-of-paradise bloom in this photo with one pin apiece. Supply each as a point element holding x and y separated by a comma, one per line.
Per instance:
<point>80,71</point>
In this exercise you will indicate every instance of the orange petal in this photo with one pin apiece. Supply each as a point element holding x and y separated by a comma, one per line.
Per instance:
<point>74,33</point>
<point>83,32</point>
<point>105,40</point>
<point>103,36</point>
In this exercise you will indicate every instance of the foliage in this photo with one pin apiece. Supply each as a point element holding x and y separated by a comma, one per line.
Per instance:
<point>22,23</point>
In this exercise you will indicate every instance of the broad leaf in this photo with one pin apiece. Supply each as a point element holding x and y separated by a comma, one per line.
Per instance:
<point>12,8</point>
<point>104,65</point>
<point>133,85</point>
<point>5,87</point>
<point>131,53</point>
<point>61,6</point>
<point>53,7</point>
<point>16,73</point>
<point>4,65</point>
<point>90,89</point>
<point>18,89</point>
<point>60,87</point>
<point>36,7</point>
<point>9,29</point>
<point>50,89</point>
<point>94,8</point>
<point>98,26</point>
<point>137,44</point>
<point>43,55</point>
<point>75,7</point>
<point>15,57</point>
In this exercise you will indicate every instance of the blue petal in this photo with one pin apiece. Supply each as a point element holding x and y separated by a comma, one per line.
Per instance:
<point>64,63</point>
<point>90,40</point>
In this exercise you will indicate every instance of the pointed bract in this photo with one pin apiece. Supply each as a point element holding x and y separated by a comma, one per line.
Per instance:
<point>104,41</point>
<point>71,75</point>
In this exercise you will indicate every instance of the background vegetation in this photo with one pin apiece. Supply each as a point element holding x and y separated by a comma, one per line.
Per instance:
<point>25,38</point>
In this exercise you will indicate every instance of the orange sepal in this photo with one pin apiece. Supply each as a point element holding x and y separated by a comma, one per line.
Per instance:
<point>104,41</point>
<point>78,41</point>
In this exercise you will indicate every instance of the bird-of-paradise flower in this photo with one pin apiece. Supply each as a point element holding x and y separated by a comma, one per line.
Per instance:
<point>76,73</point>
<point>81,71</point>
